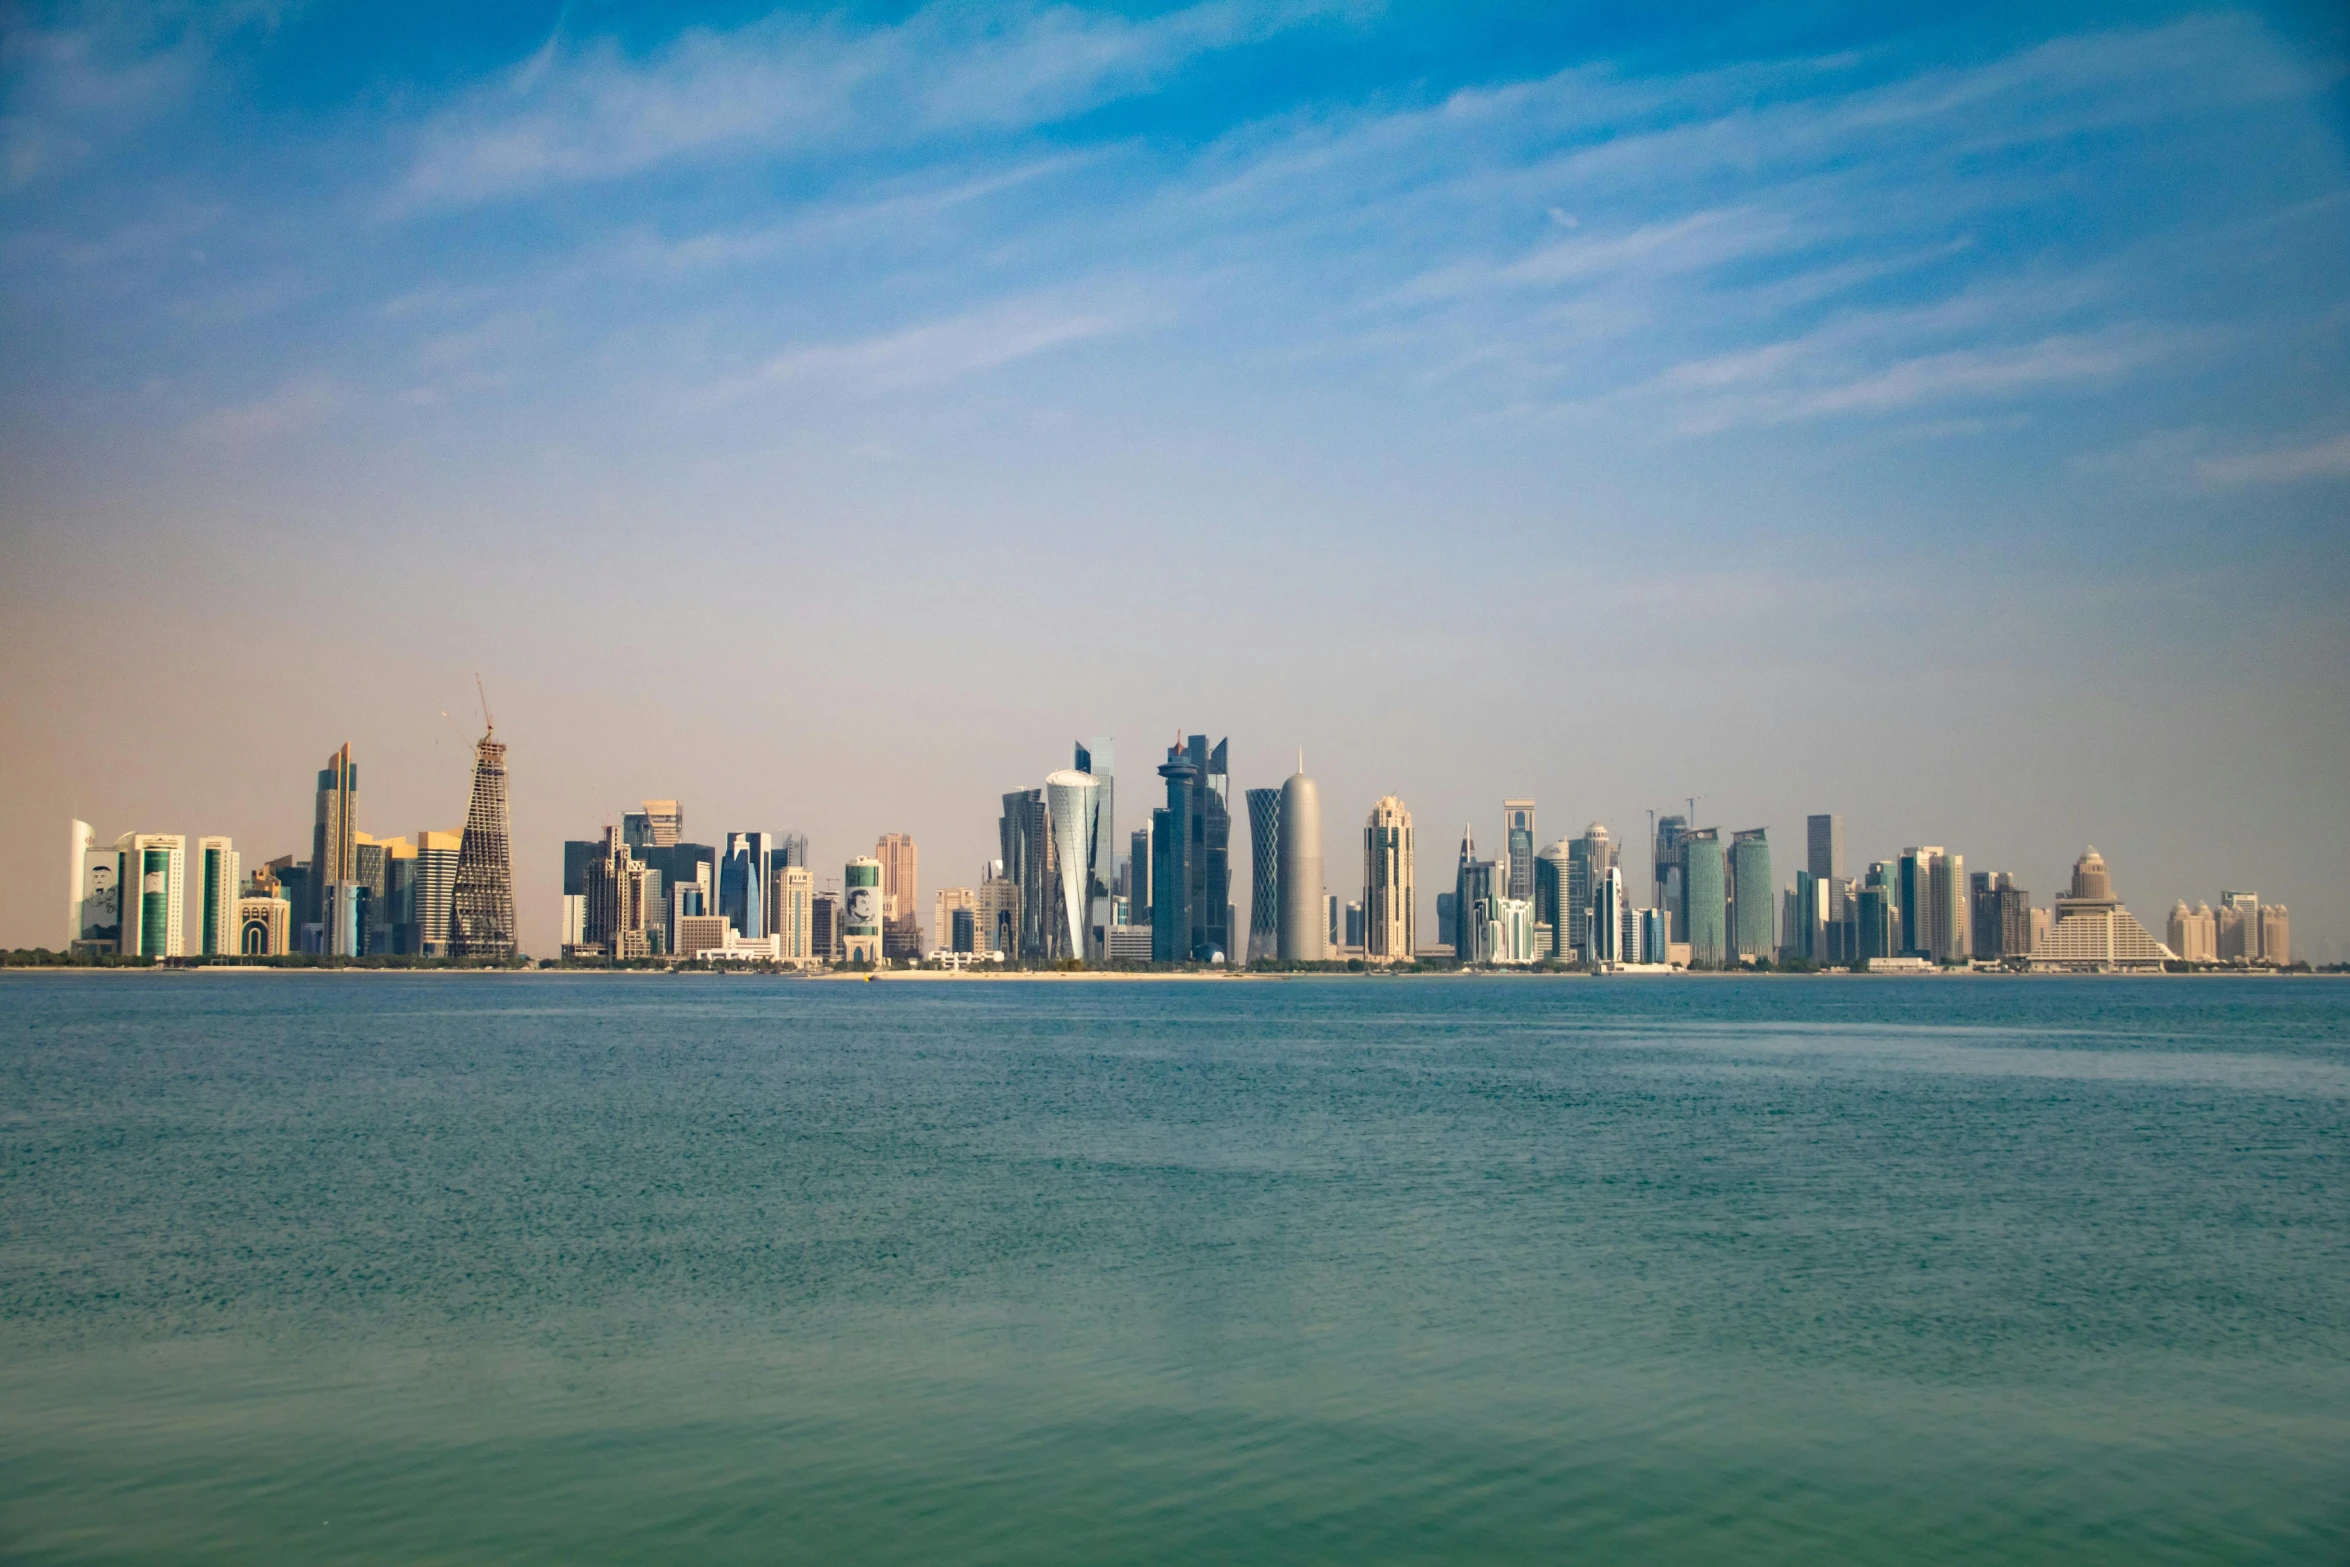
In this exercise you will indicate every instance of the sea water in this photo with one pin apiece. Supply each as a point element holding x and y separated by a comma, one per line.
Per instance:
<point>560,1269</point>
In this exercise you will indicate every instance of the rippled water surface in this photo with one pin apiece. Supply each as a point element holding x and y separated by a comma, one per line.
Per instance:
<point>557,1269</point>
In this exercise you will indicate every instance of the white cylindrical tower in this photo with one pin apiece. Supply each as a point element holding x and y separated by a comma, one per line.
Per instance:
<point>1072,812</point>
<point>1303,936</point>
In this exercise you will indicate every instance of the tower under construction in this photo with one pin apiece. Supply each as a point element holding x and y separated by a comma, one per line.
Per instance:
<point>481,923</point>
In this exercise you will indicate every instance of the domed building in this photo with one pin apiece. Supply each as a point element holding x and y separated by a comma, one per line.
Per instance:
<point>2093,933</point>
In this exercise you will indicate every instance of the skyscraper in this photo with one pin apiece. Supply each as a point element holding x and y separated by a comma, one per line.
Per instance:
<point>1264,881</point>
<point>2276,934</point>
<point>96,912</point>
<point>795,912</point>
<point>1099,757</point>
<point>2194,933</point>
<point>1171,839</point>
<point>1478,885</point>
<point>2238,918</point>
<point>1553,873</point>
<point>1389,930</point>
<point>1138,876</point>
<point>334,843</point>
<point>481,918</point>
<point>1753,896</point>
<point>1518,841</point>
<point>655,824</point>
<point>900,881</point>
<point>1024,833</point>
<point>746,864</point>
<point>2093,932</point>
<point>1300,856</point>
<point>152,879</point>
<point>1665,868</point>
<point>1920,933</point>
<point>1704,888</point>
<point>1824,847</point>
<point>1072,800</point>
<point>860,918</point>
<point>1589,859</point>
<point>1947,884</point>
<point>218,889</point>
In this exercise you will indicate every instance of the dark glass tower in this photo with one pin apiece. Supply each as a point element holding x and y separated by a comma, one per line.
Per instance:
<point>1264,876</point>
<point>1171,836</point>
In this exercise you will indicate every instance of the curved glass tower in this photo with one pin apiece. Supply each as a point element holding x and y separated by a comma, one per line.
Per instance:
<point>1264,880</point>
<point>1304,930</point>
<point>1073,811</point>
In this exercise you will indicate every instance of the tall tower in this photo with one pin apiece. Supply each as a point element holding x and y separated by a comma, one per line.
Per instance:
<point>1072,800</point>
<point>1518,839</point>
<point>152,883</point>
<point>1171,862</point>
<point>895,851</point>
<point>481,912</point>
<point>216,918</point>
<point>1303,928</point>
<point>861,910</point>
<point>1389,930</point>
<point>1264,879</point>
<point>1099,756</point>
<point>334,833</point>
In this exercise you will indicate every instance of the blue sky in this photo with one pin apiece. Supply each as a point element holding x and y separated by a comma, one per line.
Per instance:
<point>822,416</point>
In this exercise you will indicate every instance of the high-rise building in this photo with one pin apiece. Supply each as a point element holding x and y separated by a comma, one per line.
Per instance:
<point>616,916</point>
<point>1948,886</point>
<point>1354,927</point>
<point>900,884</point>
<point>1921,933</point>
<point>1823,847</point>
<point>2092,930</point>
<point>1589,859</point>
<point>1390,932</point>
<point>1191,882</point>
<point>1665,868</point>
<point>153,875</point>
<point>860,934</point>
<point>2193,933</point>
<point>1879,924</point>
<point>1753,897</point>
<point>1072,804</point>
<point>655,824</point>
<point>1264,879</point>
<point>2276,934</point>
<point>1138,876</point>
<point>946,903</point>
<point>2239,927</point>
<point>1448,922</point>
<point>1803,930</point>
<point>334,831</point>
<point>1611,914</point>
<point>746,863</point>
<point>95,915</point>
<point>1518,842</point>
<point>1172,834</point>
<point>1553,875</point>
<point>1300,857</point>
<point>1999,916</point>
<point>795,912</point>
<point>995,910</point>
<point>219,884</point>
<point>1024,832</point>
<point>436,889</point>
<point>481,919</point>
<point>824,920</point>
<point>1478,885</point>
<point>1098,757</point>
<point>1705,890</point>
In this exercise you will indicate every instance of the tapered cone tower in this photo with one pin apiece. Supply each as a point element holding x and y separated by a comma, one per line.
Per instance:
<point>1305,926</point>
<point>481,924</point>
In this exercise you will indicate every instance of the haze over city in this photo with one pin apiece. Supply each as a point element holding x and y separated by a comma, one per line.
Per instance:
<point>824,418</point>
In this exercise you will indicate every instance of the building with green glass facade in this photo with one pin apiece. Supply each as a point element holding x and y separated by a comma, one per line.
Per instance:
<point>153,879</point>
<point>1705,892</point>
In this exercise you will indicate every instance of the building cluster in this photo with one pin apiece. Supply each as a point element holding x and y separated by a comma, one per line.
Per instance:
<point>444,895</point>
<point>1064,888</point>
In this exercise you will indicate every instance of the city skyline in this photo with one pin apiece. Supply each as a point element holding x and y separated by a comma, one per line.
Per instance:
<point>1944,422</point>
<point>1926,906</point>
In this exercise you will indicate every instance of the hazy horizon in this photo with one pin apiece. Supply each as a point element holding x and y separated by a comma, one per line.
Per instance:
<point>823,418</point>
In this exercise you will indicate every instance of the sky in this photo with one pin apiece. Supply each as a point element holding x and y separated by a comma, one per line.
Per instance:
<point>825,417</point>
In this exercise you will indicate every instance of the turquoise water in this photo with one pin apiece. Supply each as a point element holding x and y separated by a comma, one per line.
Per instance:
<point>557,1269</point>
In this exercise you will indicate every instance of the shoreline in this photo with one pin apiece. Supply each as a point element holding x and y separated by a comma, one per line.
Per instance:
<point>1098,976</point>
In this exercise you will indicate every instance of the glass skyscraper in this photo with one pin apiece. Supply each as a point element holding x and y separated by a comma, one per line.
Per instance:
<point>1704,878</point>
<point>1264,873</point>
<point>1753,897</point>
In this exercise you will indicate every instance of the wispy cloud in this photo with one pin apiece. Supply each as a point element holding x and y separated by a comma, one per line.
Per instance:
<point>2326,459</point>
<point>293,406</point>
<point>571,115</point>
<point>955,347</point>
